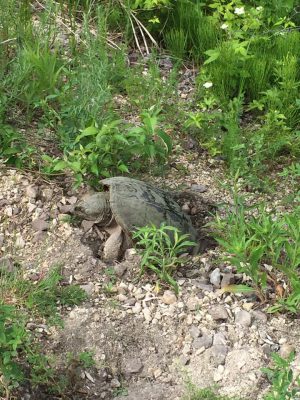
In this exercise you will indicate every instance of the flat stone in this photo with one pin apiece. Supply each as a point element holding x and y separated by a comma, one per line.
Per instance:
<point>219,338</point>
<point>206,287</point>
<point>169,297</point>
<point>215,277</point>
<point>133,366</point>
<point>219,353</point>
<point>199,188</point>
<point>243,318</point>
<point>40,225</point>
<point>66,208</point>
<point>203,341</point>
<point>88,288</point>
<point>218,312</point>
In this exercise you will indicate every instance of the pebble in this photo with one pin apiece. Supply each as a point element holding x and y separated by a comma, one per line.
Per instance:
<point>203,341</point>
<point>40,225</point>
<point>88,288</point>
<point>199,188</point>
<point>147,314</point>
<point>194,331</point>
<point>169,297</point>
<point>133,366</point>
<point>286,349</point>
<point>243,318</point>
<point>218,312</point>
<point>215,277</point>
<point>31,192</point>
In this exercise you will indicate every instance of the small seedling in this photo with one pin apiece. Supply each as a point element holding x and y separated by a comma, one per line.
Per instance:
<point>160,249</point>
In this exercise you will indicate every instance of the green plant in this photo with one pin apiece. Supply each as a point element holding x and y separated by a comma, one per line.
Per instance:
<point>103,151</point>
<point>21,358</point>
<point>175,40</point>
<point>195,393</point>
<point>161,248</point>
<point>284,386</point>
<point>13,148</point>
<point>253,237</point>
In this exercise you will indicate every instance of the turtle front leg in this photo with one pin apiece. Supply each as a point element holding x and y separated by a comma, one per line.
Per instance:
<point>113,245</point>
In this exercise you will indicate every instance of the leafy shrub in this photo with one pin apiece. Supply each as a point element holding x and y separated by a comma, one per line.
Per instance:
<point>101,152</point>
<point>161,248</point>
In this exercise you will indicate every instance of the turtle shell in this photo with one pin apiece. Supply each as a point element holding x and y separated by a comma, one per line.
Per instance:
<point>135,204</point>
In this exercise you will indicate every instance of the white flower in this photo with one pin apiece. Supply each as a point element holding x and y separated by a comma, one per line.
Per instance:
<point>259,8</point>
<point>239,11</point>
<point>224,26</point>
<point>207,85</point>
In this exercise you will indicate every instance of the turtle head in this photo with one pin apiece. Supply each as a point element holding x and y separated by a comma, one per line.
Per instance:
<point>94,207</point>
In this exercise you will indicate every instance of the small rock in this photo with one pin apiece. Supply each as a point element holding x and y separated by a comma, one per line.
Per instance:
<point>199,188</point>
<point>115,383</point>
<point>169,297</point>
<point>215,277</point>
<point>40,225</point>
<point>194,331</point>
<point>243,318</point>
<point>147,314</point>
<point>31,192</point>
<point>218,312</point>
<point>184,359</point>
<point>87,225</point>
<point>157,373</point>
<point>1,240</point>
<point>227,279</point>
<point>203,341</point>
<point>120,269</point>
<point>47,194</point>
<point>122,297</point>
<point>286,349</point>
<point>31,207</point>
<point>72,200</point>
<point>218,375</point>
<point>20,242</point>
<point>192,303</point>
<point>65,209</point>
<point>39,236</point>
<point>137,308</point>
<point>133,366</point>
<point>219,338</point>
<point>248,306</point>
<point>219,353</point>
<point>88,288</point>
<point>204,286</point>
<point>185,208</point>
<point>260,316</point>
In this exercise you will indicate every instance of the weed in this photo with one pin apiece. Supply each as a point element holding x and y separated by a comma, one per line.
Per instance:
<point>258,237</point>
<point>175,40</point>
<point>161,248</point>
<point>195,393</point>
<point>14,149</point>
<point>284,386</point>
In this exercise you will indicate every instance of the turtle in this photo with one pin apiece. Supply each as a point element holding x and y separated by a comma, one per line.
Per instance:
<point>127,204</point>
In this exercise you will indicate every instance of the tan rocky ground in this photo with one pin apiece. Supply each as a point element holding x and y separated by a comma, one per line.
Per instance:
<point>145,342</point>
